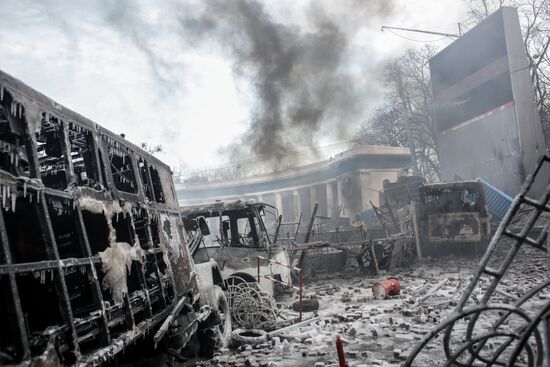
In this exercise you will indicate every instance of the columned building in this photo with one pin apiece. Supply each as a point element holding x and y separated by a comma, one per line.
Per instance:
<point>343,185</point>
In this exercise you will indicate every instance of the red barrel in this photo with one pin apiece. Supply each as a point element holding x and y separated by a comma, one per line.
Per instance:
<point>384,288</point>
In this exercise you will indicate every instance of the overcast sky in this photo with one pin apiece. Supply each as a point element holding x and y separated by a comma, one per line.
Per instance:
<point>129,66</point>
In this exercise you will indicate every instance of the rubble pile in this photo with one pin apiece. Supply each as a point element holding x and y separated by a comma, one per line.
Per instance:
<point>374,332</point>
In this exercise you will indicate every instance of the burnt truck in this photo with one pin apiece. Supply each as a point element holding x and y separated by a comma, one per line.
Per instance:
<point>241,232</point>
<point>93,258</point>
<point>449,217</point>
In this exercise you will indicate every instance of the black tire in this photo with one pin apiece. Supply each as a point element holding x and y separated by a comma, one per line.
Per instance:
<point>249,337</point>
<point>308,305</point>
<point>216,337</point>
<point>226,327</point>
<point>208,342</point>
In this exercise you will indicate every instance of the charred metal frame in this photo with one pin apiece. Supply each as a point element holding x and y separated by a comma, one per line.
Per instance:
<point>527,343</point>
<point>236,210</point>
<point>98,330</point>
<point>479,213</point>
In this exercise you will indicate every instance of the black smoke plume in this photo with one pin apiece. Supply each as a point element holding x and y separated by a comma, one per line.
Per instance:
<point>298,72</point>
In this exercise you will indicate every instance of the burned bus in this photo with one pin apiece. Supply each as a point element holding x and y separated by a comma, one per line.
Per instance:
<point>92,254</point>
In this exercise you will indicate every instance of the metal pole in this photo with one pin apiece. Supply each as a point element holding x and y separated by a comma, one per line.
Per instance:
<point>278,228</point>
<point>258,264</point>
<point>301,293</point>
<point>451,35</point>
<point>340,351</point>
<point>311,222</point>
<point>298,226</point>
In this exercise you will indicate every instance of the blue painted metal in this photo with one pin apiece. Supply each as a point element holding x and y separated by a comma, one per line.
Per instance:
<point>369,218</point>
<point>498,202</point>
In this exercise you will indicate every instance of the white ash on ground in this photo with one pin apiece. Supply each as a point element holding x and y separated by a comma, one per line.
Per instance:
<point>375,332</point>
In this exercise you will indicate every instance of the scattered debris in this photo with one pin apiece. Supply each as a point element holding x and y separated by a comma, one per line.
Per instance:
<point>483,329</point>
<point>386,288</point>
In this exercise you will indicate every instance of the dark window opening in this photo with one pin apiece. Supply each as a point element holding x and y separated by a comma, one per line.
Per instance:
<point>13,157</point>
<point>154,225</point>
<point>452,200</point>
<point>157,185</point>
<point>150,271</point>
<point>148,171</point>
<point>140,219</point>
<point>39,302</point>
<point>80,291</point>
<point>97,231</point>
<point>62,218</point>
<point>50,153</point>
<point>161,264</point>
<point>143,173</point>
<point>24,232</point>
<point>121,224</point>
<point>8,322</point>
<point>122,168</point>
<point>83,157</point>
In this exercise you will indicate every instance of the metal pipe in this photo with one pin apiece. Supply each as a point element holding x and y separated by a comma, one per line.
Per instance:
<point>450,35</point>
<point>278,228</point>
<point>340,351</point>
<point>311,222</point>
<point>258,265</point>
<point>301,294</point>
<point>298,226</point>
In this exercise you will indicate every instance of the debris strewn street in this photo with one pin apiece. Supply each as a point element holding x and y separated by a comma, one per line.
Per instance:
<point>377,332</point>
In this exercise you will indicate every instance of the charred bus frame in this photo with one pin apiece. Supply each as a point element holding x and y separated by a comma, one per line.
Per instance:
<point>79,201</point>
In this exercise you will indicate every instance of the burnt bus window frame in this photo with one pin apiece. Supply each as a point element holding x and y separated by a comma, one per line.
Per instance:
<point>110,142</point>
<point>151,181</point>
<point>71,153</point>
<point>12,147</point>
<point>87,151</point>
<point>51,155</point>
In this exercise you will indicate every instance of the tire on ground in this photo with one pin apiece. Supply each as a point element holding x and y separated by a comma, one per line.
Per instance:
<point>225,328</point>
<point>249,337</point>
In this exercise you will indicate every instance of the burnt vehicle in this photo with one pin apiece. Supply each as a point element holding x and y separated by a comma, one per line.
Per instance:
<point>93,258</point>
<point>241,231</point>
<point>451,217</point>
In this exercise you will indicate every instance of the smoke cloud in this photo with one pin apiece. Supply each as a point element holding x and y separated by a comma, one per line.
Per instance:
<point>299,73</point>
<point>300,63</point>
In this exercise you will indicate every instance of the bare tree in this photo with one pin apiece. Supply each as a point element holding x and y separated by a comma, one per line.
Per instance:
<point>151,149</point>
<point>409,98</point>
<point>534,18</point>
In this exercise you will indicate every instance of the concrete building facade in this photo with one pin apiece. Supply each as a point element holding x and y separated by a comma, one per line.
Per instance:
<point>343,185</point>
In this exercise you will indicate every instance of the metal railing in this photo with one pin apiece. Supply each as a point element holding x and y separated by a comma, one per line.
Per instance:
<point>287,284</point>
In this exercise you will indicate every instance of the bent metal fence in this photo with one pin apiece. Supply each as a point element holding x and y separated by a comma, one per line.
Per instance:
<point>485,329</point>
<point>286,284</point>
